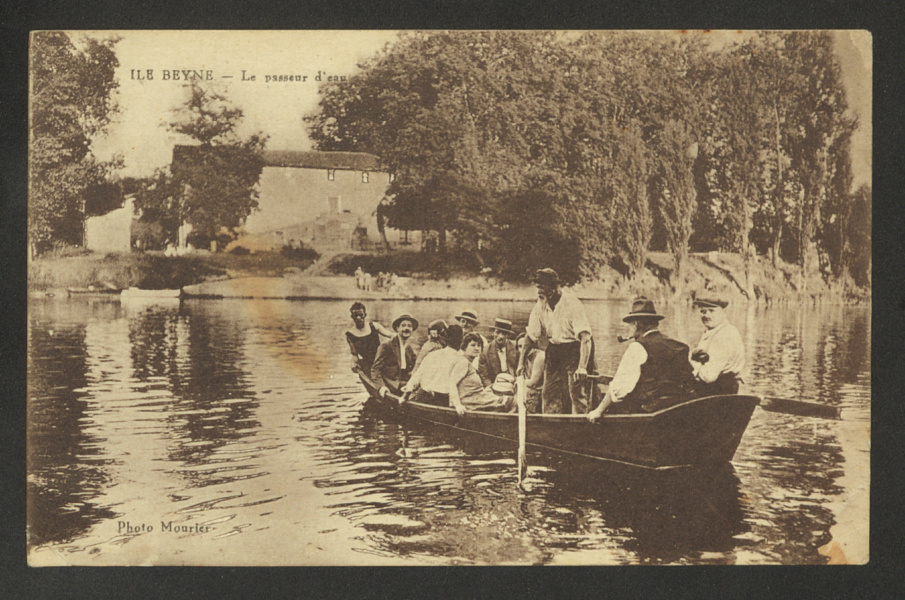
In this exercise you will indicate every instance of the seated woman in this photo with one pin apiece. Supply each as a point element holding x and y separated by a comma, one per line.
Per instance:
<point>364,341</point>
<point>466,391</point>
<point>534,374</point>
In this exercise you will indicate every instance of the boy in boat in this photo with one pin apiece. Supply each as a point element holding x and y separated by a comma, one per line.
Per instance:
<point>467,392</point>
<point>500,355</point>
<point>468,320</point>
<point>395,357</point>
<point>560,316</point>
<point>719,357</point>
<point>364,341</point>
<point>654,372</point>
<point>436,339</point>
<point>430,381</point>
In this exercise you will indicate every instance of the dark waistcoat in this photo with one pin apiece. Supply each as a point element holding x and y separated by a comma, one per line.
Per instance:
<point>666,374</point>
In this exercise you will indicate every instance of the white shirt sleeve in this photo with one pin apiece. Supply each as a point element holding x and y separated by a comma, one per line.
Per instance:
<point>629,371</point>
<point>579,316</point>
<point>726,354</point>
<point>535,328</point>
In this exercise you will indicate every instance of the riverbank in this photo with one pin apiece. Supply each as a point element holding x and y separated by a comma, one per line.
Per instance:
<point>273,275</point>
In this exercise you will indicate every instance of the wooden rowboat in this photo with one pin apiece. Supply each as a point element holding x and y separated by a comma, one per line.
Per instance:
<point>703,431</point>
<point>136,293</point>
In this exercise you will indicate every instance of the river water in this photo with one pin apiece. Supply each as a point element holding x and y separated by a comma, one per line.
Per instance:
<point>232,432</point>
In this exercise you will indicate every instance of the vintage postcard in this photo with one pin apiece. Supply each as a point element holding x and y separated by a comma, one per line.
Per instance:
<point>304,298</point>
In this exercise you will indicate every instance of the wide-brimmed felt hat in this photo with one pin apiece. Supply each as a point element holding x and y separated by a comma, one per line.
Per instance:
<point>710,301</point>
<point>546,277</point>
<point>504,385</point>
<point>642,308</point>
<point>438,325</point>
<point>503,325</point>
<point>405,317</point>
<point>468,315</point>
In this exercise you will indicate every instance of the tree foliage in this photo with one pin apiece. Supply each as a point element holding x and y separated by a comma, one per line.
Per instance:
<point>71,102</point>
<point>210,185</point>
<point>617,142</point>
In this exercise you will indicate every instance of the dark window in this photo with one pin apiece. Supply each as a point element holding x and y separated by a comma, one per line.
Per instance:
<point>333,204</point>
<point>331,174</point>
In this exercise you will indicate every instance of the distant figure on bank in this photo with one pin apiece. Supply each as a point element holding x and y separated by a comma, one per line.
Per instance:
<point>466,391</point>
<point>500,355</point>
<point>429,383</point>
<point>561,317</point>
<point>436,339</point>
<point>719,357</point>
<point>364,338</point>
<point>654,372</point>
<point>534,373</point>
<point>395,358</point>
<point>359,278</point>
<point>468,319</point>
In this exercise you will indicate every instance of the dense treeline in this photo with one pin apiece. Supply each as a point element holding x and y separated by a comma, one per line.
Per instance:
<point>590,150</point>
<point>71,102</point>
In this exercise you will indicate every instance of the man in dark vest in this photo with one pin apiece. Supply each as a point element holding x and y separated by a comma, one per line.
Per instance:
<point>654,372</point>
<point>500,355</point>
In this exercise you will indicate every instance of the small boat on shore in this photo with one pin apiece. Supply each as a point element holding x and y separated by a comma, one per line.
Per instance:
<point>134,292</point>
<point>702,431</point>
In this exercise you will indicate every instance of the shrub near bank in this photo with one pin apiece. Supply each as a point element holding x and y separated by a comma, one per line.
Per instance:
<point>154,270</point>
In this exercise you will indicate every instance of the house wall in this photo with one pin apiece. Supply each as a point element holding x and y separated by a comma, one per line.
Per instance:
<point>290,197</point>
<point>111,232</point>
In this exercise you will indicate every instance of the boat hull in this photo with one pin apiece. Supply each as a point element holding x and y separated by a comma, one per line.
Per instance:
<point>702,431</point>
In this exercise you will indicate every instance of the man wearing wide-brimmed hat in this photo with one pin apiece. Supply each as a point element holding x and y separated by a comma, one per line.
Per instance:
<point>395,358</point>
<point>560,317</point>
<point>499,356</point>
<point>654,372</point>
<point>719,357</point>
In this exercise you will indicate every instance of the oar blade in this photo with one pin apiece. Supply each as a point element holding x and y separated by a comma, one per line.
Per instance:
<point>800,408</point>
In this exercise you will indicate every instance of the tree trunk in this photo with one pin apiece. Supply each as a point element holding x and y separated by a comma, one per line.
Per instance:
<point>778,208</point>
<point>441,240</point>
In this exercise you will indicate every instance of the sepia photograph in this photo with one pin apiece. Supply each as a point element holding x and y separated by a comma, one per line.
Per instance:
<point>449,298</point>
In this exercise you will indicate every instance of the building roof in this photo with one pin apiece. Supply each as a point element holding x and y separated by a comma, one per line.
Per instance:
<point>354,161</point>
<point>311,159</point>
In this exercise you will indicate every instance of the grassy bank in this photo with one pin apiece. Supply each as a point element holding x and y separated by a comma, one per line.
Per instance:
<point>154,270</point>
<point>719,272</point>
<point>425,276</point>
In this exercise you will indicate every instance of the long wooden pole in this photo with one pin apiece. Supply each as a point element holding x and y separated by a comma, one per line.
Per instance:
<point>521,398</point>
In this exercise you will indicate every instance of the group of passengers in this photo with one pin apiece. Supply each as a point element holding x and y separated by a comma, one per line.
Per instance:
<point>460,368</point>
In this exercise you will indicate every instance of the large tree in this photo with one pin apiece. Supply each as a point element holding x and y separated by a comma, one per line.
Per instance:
<point>72,101</point>
<point>211,184</point>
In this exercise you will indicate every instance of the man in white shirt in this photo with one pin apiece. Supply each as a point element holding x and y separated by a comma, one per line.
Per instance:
<point>561,318</point>
<point>654,372</point>
<point>719,357</point>
<point>429,383</point>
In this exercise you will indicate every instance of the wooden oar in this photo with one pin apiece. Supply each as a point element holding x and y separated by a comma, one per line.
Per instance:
<point>521,397</point>
<point>799,408</point>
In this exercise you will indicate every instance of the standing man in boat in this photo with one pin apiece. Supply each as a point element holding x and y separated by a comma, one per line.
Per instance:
<point>654,372</point>
<point>395,357</point>
<point>364,341</point>
<point>560,316</point>
<point>719,357</point>
<point>500,355</point>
